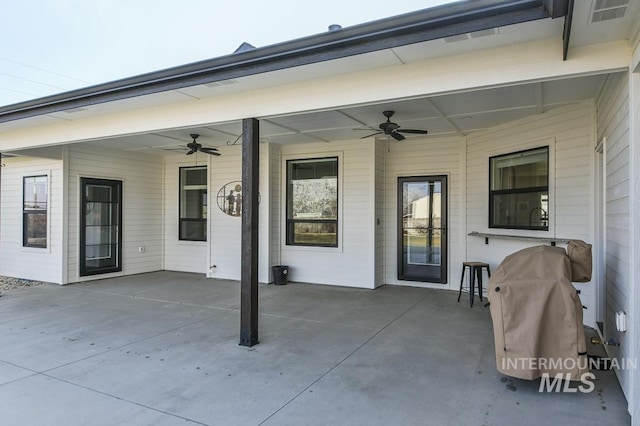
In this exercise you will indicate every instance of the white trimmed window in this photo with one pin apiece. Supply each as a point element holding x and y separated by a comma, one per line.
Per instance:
<point>519,190</point>
<point>35,206</point>
<point>312,202</point>
<point>193,204</point>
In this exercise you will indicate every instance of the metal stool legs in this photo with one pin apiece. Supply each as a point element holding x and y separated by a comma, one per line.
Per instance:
<point>461,281</point>
<point>475,273</point>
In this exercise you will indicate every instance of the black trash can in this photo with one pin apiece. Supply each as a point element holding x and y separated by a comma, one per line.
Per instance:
<point>280,274</point>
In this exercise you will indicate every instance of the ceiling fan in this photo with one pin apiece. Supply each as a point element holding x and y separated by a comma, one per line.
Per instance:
<point>392,129</point>
<point>196,147</point>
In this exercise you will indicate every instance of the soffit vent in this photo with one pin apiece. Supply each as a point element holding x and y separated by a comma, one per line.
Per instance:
<point>606,10</point>
<point>476,34</point>
<point>484,33</point>
<point>455,38</point>
<point>221,83</point>
<point>75,110</point>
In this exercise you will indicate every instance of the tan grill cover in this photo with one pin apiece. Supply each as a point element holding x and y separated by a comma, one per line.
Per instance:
<point>579,254</point>
<point>537,315</point>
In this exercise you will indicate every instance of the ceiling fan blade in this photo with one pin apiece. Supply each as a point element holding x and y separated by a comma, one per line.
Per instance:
<point>418,132</point>
<point>210,151</point>
<point>397,136</point>
<point>366,128</point>
<point>373,134</point>
<point>191,151</point>
<point>206,148</point>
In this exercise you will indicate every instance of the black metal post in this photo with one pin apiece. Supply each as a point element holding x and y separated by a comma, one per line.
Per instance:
<point>249,261</point>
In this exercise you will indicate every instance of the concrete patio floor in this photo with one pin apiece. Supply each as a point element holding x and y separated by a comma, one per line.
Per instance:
<point>162,349</point>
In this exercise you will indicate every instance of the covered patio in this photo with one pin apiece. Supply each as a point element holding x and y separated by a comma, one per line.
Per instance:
<point>162,348</point>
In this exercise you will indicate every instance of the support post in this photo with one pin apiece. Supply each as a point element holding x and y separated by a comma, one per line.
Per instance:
<point>249,261</point>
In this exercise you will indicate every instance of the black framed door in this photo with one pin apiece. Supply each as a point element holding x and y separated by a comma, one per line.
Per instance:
<point>422,228</point>
<point>100,226</point>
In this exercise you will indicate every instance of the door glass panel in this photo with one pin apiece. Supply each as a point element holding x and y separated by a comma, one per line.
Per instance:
<point>422,248</point>
<point>100,249</point>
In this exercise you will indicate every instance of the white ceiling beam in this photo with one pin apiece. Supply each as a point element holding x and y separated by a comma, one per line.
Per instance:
<point>444,117</point>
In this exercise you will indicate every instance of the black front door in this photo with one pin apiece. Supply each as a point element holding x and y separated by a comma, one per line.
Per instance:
<point>422,228</point>
<point>100,226</point>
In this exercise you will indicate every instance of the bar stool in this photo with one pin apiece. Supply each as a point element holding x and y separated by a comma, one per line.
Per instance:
<point>475,271</point>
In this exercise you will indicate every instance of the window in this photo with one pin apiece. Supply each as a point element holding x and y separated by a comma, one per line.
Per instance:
<point>193,204</point>
<point>312,202</point>
<point>34,211</point>
<point>519,190</point>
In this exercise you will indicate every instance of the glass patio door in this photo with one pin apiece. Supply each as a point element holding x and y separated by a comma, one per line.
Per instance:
<point>100,226</point>
<point>422,229</point>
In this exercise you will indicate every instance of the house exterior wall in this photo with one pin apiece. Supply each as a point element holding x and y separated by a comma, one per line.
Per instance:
<point>379,203</point>
<point>634,318</point>
<point>569,133</point>
<point>184,256</point>
<point>142,205</point>
<point>352,263</point>
<point>265,255</point>
<point>225,231</point>
<point>613,124</point>
<point>40,264</point>
<point>425,157</point>
<point>275,212</point>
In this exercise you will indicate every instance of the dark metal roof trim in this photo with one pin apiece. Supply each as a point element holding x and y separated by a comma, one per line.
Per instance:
<point>557,8</point>
<point>566,33</point>
<point>415,27</point>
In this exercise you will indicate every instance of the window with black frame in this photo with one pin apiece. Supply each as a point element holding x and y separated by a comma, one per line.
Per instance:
<point>519,190</point>
<point>193,203</point>
<point>312,202</point>
<point>34,211</point>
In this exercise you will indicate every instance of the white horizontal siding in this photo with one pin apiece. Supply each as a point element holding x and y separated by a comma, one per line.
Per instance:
<point>613,124</point>
<point>31,263</point>
<point>352,263</point>
<point>426,157</point>
<point>225,232</point>
<point>275,192</point>
<point>634,318</point>
<point>184,256</point>
<point>379,201</point>
<point>142,205</point>
<point>569,132</point>
<point>265,255</point>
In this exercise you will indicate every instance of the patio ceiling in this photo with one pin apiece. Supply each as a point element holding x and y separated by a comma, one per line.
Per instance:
<point>447,115</point>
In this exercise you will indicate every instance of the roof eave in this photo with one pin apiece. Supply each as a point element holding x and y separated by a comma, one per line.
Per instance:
<point>420,26</point>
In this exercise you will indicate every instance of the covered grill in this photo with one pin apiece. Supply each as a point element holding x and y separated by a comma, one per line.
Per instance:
<point>537,315</point>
